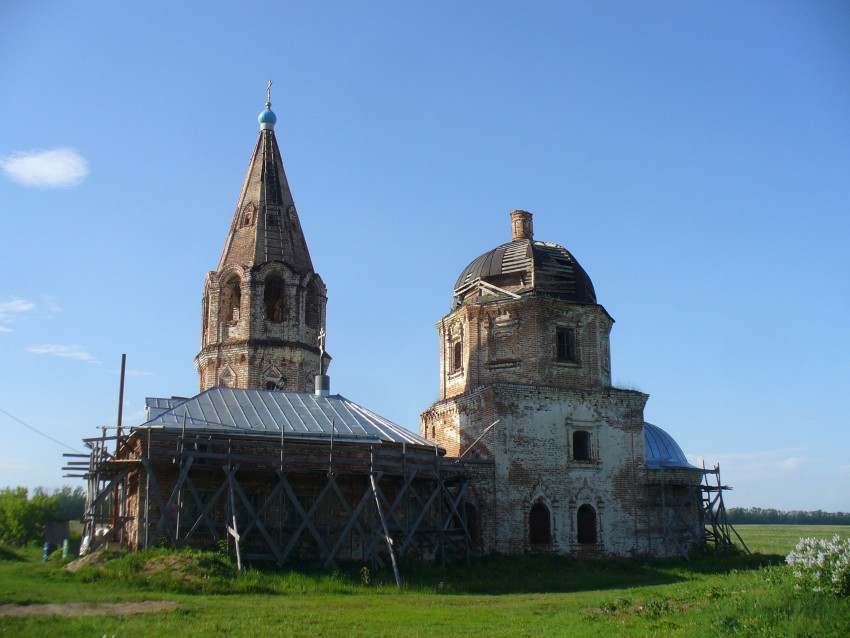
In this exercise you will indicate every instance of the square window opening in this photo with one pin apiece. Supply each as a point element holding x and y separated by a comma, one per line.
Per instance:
<point>566,344</point>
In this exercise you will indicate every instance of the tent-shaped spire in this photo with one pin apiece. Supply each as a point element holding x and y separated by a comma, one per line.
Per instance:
<point>265,224</point>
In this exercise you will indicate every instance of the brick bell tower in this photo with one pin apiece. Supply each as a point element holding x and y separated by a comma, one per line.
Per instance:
<point>263,309</point>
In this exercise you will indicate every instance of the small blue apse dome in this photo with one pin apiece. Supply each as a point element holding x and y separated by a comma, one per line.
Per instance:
<point>267,120</point>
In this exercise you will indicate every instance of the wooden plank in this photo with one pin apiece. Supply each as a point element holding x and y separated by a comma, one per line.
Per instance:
<point>415,527</point>
<point>391,512</point>
<point>233,531</point>
<point>255,517</point>
<point>106,491</point>
<point>97,542</point>
<point>351,524</point>
<point>305,520</point>
<point>204,515</point>
<point>387,537</point>
<point>163,510</point>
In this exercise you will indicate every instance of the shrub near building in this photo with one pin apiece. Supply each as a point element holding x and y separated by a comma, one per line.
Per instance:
<point>821,565</point>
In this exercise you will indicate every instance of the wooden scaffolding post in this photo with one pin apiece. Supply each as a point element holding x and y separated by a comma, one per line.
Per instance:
<point>387,536</point>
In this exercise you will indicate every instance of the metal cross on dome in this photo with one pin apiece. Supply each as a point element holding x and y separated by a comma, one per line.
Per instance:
<point>269,92</point>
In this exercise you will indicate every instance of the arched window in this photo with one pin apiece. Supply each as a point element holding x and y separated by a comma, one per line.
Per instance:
<point>586,524</point>
<point>457,356</point>
<point>273,298</point>
<point>581,446</point>
<point>231,300</point>
<point>313,309</point>
<point>539,525</point>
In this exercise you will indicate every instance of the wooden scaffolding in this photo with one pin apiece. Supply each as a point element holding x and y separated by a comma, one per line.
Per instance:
<point>685,509</point>
<point>718,529</point>
<point>282,500</point>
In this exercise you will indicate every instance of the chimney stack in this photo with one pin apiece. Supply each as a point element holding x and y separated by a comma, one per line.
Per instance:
<point>521,227</point>
<point>323,385</point>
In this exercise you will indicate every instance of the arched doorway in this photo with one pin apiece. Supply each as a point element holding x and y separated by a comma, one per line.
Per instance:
<point>586,524</point>
<point>539,525</point>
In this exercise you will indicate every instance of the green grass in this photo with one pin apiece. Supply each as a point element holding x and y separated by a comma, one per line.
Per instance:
<point>724,594</point>
<point>781,539</point>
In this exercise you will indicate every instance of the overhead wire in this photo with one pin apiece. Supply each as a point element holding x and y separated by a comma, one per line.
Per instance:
<point>39,432</point>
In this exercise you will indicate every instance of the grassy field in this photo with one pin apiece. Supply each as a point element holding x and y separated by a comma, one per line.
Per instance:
<point>780,539</point>
<point>712,595</point>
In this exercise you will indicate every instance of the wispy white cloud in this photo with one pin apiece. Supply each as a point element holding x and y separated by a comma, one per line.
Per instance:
<point>70,352</point>
<point>12,311</point>
<point>790,464</point>
<point>15,305</point>
<point>51,303</point>
<point>130,372</point>
<point>751,456</point>
<point>53,168</point>
<point>753,462</point>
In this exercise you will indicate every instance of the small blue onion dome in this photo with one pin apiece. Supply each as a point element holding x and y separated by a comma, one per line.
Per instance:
<point>662,451</point>
<point>267,118</point>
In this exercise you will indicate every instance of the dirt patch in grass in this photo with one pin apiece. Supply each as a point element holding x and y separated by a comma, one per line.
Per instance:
<point>87,609</point>
<point>177,566</point>
<point>95,559</point>
<point>174,567</point>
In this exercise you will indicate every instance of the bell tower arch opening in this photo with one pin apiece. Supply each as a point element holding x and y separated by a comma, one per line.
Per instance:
<point>231,300</point>
<point>313,306</point>
<point>273,299</point>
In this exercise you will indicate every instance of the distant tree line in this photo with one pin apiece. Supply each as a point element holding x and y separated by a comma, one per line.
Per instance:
<point>770,516</point>
<point>23,515</point>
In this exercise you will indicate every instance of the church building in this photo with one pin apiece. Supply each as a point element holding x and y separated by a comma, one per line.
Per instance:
<point>559,460</point>
<point>529,449</point>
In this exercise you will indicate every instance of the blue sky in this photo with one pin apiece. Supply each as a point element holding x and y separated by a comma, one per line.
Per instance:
<point>694,157</point>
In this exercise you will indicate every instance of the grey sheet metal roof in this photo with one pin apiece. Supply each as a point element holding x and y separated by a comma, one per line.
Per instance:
<point>267,412</point>
<point>161,403</point>
<point>662,450</point>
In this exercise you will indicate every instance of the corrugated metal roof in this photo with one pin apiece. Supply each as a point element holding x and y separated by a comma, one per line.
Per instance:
<point>161,403</point>
<point>662,450</point>
<point>300,414</point>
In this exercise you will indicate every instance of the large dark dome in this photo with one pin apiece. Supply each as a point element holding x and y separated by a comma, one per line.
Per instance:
<point>525,266</point>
